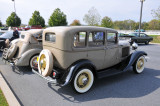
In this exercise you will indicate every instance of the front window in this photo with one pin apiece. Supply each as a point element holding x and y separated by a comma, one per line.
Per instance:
<point>96,39</point>
<point>111,37</point>
<point>50,37</point>
<point>80,39</point>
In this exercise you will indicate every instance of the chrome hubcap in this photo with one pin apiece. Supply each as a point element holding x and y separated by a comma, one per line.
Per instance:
<point>82,80</point>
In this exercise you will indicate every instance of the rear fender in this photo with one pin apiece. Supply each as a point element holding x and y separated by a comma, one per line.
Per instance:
<point>74,68</point>
<point>25,57</point>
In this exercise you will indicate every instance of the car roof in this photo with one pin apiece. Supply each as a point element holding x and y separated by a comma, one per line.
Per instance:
<point>71,28</point>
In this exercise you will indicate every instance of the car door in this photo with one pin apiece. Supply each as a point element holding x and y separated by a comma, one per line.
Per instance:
<point>112,55</point>
<point>96,48</point>
<point>143,38</point>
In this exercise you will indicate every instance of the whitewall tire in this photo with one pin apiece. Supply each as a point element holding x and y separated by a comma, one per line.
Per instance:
<point>138,66</point>
<point>45,62</point>
<point>83,80</point>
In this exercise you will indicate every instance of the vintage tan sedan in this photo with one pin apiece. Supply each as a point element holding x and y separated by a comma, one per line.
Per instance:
<point>80,54</point>
<point>25,50</point>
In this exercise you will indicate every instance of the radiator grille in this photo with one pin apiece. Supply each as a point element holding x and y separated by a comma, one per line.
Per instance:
<point>125,51</point>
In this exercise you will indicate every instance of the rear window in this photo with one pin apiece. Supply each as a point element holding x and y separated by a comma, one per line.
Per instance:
<point>50,37</point>
<point>80,39</point>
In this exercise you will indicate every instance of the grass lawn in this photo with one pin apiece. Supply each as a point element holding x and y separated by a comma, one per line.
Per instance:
<point>3,101</point>
<point>156,38</point>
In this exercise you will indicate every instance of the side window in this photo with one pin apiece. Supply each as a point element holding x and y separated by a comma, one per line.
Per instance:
<point>111,37</point>
<point>80,39</point>
<point>50,37</point>
<point>96,39</point>
<point>142,35</point>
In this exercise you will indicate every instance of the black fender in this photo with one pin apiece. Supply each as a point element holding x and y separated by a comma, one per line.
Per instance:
<point>133,57</point>
<point>74,68</point>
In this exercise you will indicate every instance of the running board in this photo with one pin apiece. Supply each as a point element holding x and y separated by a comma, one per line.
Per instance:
<point>108,72</point>
<point>49,79</point>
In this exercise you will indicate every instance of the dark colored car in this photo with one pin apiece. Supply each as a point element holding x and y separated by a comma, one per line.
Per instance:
<point>143,38</point>
<point>4,28</point>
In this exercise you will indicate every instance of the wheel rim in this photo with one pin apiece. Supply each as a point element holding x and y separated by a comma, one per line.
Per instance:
<point>42,62</point>
<point>140,64</point>
<point>34,62</point>
<point>83,80</point>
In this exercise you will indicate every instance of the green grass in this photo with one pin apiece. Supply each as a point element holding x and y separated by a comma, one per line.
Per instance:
<point>156,38</point>
<point>3,101</point>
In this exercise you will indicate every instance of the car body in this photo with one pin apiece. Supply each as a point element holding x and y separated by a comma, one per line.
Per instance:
<point>2,32</point>
<point>79,54</point>
<point>6,35</point>
<point>143,38</point>
<point>24,51</point>
<point>4,28</point>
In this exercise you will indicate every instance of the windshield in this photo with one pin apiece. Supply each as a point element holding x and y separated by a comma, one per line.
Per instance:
<point>7,35</point>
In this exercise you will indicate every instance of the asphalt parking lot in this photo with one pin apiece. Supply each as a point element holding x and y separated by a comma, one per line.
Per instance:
<point>126,89</point>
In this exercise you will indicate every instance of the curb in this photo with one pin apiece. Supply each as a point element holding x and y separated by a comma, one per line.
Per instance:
<point>11,99</point>
<point>155,43</point>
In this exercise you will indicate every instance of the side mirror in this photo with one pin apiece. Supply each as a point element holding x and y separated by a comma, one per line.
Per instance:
<point>134,46</point>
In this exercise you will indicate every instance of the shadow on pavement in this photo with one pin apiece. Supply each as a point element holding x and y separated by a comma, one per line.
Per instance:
<point>125,85</point>
<point>22,70</point>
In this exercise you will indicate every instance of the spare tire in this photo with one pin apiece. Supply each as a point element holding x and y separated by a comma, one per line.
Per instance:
<point>45,63</point>
<point>12,51</point>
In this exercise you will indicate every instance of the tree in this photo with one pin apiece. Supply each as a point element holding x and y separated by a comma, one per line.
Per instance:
<point>57,18</point>
<point>154,24</point>
<point>13,20</point>
<point>107,22</point>
<point>75,23</point>
<point>36,19</point>
<point>145,25</point>
<point>125,25</point>
<point>156,13</point>
<point>92,17</point>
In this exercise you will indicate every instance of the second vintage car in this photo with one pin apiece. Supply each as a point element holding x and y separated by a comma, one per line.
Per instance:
<point>25,50</point>
<point>80,54</point>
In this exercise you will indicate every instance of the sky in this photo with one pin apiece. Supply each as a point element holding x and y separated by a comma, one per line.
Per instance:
<point>76,9</point>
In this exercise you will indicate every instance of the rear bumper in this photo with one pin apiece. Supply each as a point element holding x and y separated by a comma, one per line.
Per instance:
<point>49,79</point>
<point>62,77</point>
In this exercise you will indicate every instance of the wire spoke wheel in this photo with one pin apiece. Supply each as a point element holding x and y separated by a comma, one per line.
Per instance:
<point>34,62</point>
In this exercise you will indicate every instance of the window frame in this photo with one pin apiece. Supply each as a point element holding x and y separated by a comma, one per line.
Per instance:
<point>50,41</point>
<point>84,41</point>
<point>104,37</point>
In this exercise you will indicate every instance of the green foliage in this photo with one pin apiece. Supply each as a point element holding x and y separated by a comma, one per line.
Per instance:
<point>57,18</point>
<point>156,38</point>
<point>154,24</point>
<point>107,22</point>
<point>36,19</point>
<point>3,101</point>
<point>13,20</point>
<point>92,18</point>
<point>125,25</point>
<point>75,23</point>
<point>156,13</point>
